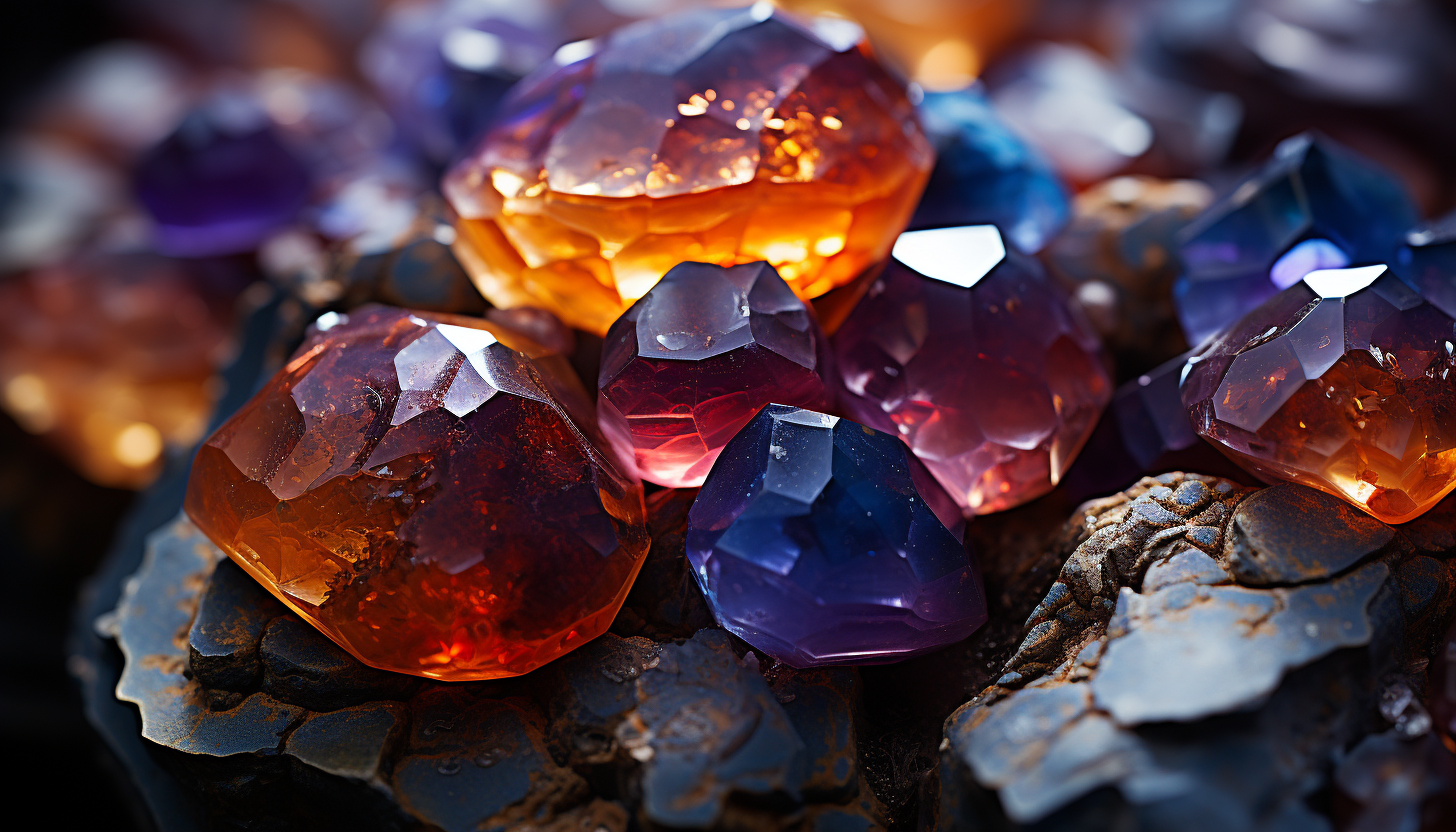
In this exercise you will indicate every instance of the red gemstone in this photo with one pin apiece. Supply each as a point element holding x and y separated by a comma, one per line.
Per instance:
<point>969,354</point>
<point>431,499</point>
<point>693,360</point>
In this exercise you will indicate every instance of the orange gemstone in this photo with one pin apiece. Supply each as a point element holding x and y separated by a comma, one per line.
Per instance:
<point>719,136</point>
<point>434,501</point>
<point>1341,382</point>
<point>111,357</point>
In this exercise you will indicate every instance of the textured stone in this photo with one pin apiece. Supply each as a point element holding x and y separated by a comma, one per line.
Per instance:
<point>985,174</point>
<point>1288,534</point>
<point>221,181</point>
<point>696,357</point>
<point>665,603</point>
<point>397,483</point>
<point>1339,382</point>
<point>222,645</point>
<point>406,262</point>
<point>819,541</point>
<point>1442,693</point>
<point>724,136</point>
<point>971,355</point>
<point>297,660</point>
<point>110,357</point>
<point>1312,189</point>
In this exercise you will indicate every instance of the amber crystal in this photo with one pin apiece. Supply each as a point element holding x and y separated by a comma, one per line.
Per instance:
<point>429,497</point>
<point>1341,382</point>
<point>110,357</point>
<point>720,136</point>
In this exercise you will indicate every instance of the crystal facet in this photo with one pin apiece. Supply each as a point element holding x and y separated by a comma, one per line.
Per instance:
<point>221,181</point>
<point>1312,189</point>
<point>1341,382</point>
<point>723,136</point>
<point>693,360</point>
<point>428,497</point>
<point>984,173</point>
<point>973,357</point>
<point>1428,262</point>
<point>820,541</point>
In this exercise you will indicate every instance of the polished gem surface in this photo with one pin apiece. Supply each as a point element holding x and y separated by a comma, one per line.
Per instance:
<point>221,181</point>
<point>1427,262</point>
<point>110,357</point>
<point>1312,189</point>
<point>723,136</point>
<point>1341,382</point>
<point>984,173</point>
<point>971,355</point>
<point>431,499</point>
<point>693,360</point>
<point>820,541</point>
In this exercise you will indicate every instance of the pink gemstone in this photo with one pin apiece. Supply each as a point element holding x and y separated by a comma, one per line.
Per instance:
<point>971,355</point>
<point>693,360</point>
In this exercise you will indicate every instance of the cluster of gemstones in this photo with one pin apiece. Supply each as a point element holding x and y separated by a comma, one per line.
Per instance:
<point>854,313</point>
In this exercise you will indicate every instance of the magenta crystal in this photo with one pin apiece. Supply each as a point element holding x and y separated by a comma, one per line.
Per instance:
<point>970,354</point>
<point>693,360</point>
<point>819,541</point>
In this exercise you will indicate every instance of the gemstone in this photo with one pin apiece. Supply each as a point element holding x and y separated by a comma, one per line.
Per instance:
<point>1340,382</point>
<point>405,260</point>
<point>820,541</point>
<point>714,135</point>
<point>428,497</point>
<point>444,67</point>
<point>1311,190</point>
<point>970,354</point>
<point>1428,262</point>
<point>940,44</point>
<point>1119,257</point>
<point>222,181</point>
<point>691,362</point>
<point>110,357</point>
<point>984,173</point>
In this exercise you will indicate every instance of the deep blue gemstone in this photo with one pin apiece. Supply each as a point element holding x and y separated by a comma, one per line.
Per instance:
<point>985,174</point>
<point>1427,262</point>
<point>1311,189</point>
<point>820,541</point>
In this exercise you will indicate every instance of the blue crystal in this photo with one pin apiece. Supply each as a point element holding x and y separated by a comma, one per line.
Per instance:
<point>1427,262</point>
<point>984,173</point>
<point>1311,188</point>
<point>820,541</point>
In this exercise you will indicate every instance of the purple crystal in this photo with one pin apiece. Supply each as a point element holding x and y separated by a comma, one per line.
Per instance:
<point>444,67</point>
<point>1311,190</point>
<point>820,541</point>
<point>221,181</point>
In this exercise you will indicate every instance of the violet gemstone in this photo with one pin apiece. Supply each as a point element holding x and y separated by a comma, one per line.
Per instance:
<point>984,173</point>
<point>819,541</point>
<point>971,355</point>
<point>443,68</point>
<point>1315,201</point>
<point>221,182</point>
<point>691,362</point>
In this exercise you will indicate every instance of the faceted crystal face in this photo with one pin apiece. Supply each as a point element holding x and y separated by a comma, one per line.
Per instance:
<point>1312,189</point>
<point>110,357</point>
<point>721,136</point>
<point>221,182</point>
<point>1341,382</point>
<point>1428,262</point>
<point>429,498</point>
<point>984,173</point>
<point>691,362</point>
<point>970,354</point>
<point>819,541</point>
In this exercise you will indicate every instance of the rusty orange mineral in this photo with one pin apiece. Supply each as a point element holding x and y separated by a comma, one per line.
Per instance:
<point>720,136</point>
<point>433,500</point>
